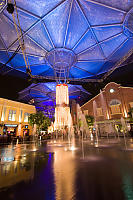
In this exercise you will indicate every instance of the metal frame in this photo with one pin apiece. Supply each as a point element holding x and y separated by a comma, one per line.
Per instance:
<point>95,38</point>
<point>29,94</point>
<point>101,4</point>
<point>40,19</point>
<point>3,6</point>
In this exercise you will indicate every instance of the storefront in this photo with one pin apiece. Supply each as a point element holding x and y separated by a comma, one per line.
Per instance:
<point>26,130</point>
<point>10,129</point>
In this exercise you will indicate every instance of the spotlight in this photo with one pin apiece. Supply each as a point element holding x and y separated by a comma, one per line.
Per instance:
<point>10,8</point>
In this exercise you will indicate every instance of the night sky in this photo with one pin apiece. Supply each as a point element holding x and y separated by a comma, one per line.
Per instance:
<point>11,85</point>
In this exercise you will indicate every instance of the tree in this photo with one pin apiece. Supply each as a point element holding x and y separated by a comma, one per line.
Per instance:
<point>130,114</point>
<point>89,120</point>
<point>46,124</point>
<point>42,122</point>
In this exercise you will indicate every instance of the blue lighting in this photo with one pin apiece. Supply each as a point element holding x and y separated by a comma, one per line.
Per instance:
<point>44,95</point>
<point>79,39</point>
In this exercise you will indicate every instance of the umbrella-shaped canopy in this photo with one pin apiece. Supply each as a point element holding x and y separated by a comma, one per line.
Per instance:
<point>77,39</point>
<point>43,95</point>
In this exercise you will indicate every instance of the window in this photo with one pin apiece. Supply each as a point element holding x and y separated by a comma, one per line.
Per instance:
<point>114,102</point>
<point>115,109</point>
<point>99,112</point>
<point>26,115</point>
<point>85,112</point>
<point>12,115</point>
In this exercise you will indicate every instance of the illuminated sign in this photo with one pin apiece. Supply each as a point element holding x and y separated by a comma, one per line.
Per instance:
<point>11,125</point>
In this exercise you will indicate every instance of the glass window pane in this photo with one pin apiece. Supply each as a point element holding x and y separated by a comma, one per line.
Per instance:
<point>26,115</point>
<point>12,115</point>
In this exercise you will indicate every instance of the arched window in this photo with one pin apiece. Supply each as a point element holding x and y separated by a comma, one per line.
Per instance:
<point>114,102</point>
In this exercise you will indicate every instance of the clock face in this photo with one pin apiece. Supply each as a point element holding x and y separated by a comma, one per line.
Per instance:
<point>2,4</point>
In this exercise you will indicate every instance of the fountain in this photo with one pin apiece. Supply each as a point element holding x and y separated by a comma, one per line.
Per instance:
<point>107,128</point>
<point>110,128</point>
<point>103,104</point>
<point>96,131</point>
<point>94,109</point>
<point>83,126</point>
<point>124,127</point>
<point>95,114</point>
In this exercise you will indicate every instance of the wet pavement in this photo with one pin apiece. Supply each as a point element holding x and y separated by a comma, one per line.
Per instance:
<point>66,170</point>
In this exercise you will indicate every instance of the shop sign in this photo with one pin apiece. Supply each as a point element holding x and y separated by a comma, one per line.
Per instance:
<point>11,125</point>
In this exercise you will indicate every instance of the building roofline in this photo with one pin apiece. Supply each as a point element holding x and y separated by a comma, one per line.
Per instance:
<point>111,83</point>
<point>118,85</point>
<point>104,90</point>
<point>90,99</point>
<point>17,102</point>
<point>126,87</point>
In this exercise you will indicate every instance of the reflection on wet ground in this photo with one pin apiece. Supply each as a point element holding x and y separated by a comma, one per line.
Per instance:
<point>65,170</point>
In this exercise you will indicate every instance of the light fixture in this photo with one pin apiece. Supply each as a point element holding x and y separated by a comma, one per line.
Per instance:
<point>111,90</point>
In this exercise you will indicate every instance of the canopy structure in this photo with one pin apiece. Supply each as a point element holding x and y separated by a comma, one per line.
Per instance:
<point>71,39</point>
<point>43,96</point>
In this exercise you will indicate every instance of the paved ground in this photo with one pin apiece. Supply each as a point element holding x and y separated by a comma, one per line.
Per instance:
<point>67,170</point>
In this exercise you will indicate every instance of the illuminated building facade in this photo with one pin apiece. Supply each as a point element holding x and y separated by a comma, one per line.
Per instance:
<point>62,110</point>
<point>111,105</point>
<point>14,118</point>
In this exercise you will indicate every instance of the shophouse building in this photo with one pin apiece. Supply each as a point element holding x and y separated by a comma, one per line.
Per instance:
<point>14,118</point>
